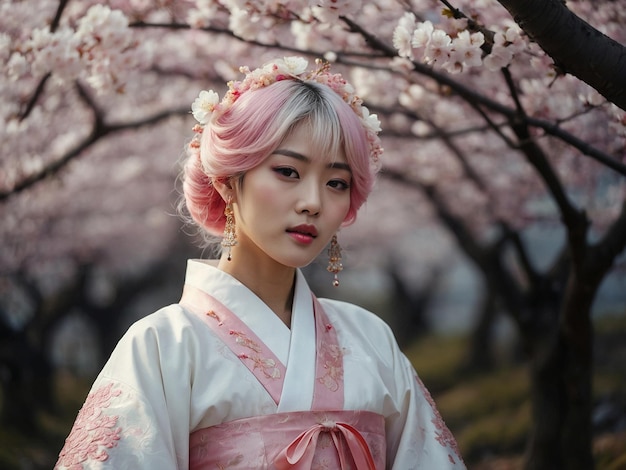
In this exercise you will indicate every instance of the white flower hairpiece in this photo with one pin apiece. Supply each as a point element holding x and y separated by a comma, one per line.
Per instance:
<point>208,107</point>
<point>203,106</point>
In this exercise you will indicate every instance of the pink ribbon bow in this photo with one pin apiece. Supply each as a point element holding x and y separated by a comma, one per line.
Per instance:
<point>299,454</point>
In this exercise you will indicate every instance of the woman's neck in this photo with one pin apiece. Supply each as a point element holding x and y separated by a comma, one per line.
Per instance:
<point>274,284</point>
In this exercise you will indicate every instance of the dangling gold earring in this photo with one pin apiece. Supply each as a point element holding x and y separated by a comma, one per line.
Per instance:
<point>230,237</point>
<point>334,259</point>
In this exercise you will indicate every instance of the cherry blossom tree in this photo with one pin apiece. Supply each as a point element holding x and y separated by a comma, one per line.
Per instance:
<point>496,121</point>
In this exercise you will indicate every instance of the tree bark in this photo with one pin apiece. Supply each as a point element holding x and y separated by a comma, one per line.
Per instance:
<point>548,402</point>
<point>575,46</point>
<point>576,329</point>
<point>561,385</point>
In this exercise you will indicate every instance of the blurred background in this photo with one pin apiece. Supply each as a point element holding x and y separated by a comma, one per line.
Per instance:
<point>493,243</point>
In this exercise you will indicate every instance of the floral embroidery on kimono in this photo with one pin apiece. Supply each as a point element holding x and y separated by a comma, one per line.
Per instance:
<point>443,435</point>
<point>332,362</point>
<point>93,433</point>
<point>267,365</point>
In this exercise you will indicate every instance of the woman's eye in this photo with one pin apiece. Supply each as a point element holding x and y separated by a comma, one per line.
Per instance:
<point>338,184</point>
<point>286,172</point>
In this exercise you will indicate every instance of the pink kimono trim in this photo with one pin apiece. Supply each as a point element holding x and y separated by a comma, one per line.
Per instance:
<point>93,431</point>
<point>329,364</point>
<point>241,340</point>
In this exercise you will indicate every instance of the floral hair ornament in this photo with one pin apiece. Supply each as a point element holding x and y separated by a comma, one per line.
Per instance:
<point>208,107</point>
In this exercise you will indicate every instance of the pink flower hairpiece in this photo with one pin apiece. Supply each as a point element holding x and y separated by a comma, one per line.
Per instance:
<point>208,107</point>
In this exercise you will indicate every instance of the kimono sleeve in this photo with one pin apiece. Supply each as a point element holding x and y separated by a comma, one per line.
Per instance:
<point>115,429</point>
<point>420,440</point>
<point>137,413</point>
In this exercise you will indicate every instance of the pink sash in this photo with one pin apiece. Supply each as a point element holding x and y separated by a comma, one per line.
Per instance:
<point>300,440</point>
<point>334,438</point>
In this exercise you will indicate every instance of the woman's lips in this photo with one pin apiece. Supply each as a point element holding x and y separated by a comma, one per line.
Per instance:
<point>303,233</point>
<point>301,237</point>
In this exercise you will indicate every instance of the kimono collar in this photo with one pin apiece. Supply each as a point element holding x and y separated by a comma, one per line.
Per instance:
<point>204,275</point>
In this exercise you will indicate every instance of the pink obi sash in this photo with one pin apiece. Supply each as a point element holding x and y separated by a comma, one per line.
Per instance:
<point>300,440</point>
<point>325,437</point>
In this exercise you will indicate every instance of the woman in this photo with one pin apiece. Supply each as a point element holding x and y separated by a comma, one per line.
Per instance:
<point>250,370</point>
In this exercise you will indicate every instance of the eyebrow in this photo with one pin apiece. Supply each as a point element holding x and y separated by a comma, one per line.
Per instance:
<point>299,156</point>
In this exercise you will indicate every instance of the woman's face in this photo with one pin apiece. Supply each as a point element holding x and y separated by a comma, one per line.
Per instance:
<point>288,207</point>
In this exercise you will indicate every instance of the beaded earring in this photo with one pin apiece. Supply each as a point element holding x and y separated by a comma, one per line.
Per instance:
<point>230,237</point>
<point>334,259</point>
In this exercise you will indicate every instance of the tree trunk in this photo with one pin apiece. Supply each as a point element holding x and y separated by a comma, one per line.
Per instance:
<point>577,330</point>
<point>561,390</point>
<point>548,404</point>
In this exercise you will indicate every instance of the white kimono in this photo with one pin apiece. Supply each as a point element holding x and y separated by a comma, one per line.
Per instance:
<point>172,376</point>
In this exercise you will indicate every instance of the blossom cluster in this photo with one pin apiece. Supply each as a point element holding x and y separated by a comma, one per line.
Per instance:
<point>456,53</point>
<point>208,107</point>
<point>100,48</point>
<point>254,20</point>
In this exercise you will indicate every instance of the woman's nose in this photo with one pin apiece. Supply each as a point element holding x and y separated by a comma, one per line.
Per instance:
<point>310,200</point>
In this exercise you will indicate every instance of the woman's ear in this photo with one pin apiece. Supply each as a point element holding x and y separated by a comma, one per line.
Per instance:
<point>224,186</point>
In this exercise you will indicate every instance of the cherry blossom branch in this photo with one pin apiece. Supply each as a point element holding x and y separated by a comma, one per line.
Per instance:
<point>57,17</point>
<point>100,130</point>
<point>598,259</point>
<point>446,138</point>
<point>533,277</point>
<point>474,99</point>
<point>30,104</point>
<point>470,245</point>
<point>222,31</point>
<point>472,25</point>
<point>488,258</point>
<point>575,221</point>
<point>42,83</point>
<point>470,96</point>
<point>510,234</point>
<point>553,127</point>
<point>506,72</point>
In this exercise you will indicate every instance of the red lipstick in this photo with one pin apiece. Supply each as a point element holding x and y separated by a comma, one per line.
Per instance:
<point>303,233</point>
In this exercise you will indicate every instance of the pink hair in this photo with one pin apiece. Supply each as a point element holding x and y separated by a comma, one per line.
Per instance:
<point>255,126</point>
